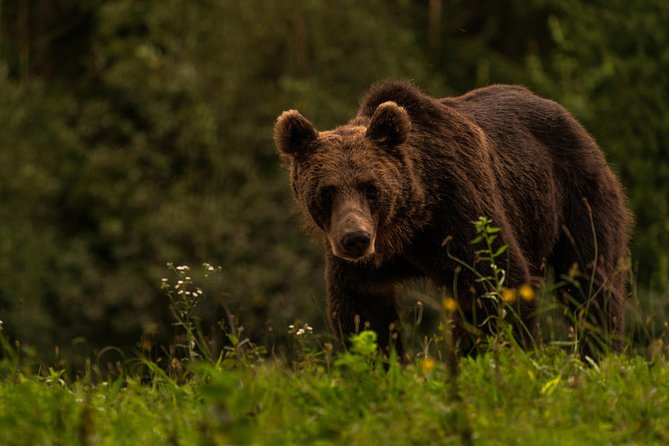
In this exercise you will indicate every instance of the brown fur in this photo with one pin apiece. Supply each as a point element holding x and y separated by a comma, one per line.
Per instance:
<point>410,171</point>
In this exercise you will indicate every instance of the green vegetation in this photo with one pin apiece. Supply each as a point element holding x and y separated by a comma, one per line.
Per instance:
<point>134,134</point>
<point>543,398</point>
<point>316,394</point>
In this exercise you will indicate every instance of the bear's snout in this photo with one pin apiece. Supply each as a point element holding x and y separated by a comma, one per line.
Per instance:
<point>356,243</point>
<point>352,237</point>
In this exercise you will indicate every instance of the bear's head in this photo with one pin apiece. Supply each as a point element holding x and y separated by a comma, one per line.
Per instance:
<point>350,181</point>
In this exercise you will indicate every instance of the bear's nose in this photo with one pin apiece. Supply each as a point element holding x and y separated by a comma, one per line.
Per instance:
<point>356,242</point>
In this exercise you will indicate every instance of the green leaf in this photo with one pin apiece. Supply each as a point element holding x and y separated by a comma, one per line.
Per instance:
<point>500,251</point>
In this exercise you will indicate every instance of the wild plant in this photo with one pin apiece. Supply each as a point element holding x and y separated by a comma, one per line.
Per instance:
<point>577,296</point>
<point>308,350</point>
<point>185,297</point>
<point>191,344</point>
<point>501,302</point>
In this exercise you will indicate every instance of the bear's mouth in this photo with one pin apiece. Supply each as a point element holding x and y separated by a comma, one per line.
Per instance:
<point>353,246</point>
<point>352,233</point>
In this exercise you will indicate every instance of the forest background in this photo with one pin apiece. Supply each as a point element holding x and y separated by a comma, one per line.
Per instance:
<point>137,133</point>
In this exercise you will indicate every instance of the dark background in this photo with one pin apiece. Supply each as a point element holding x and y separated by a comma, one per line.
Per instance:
<point>135,133</point>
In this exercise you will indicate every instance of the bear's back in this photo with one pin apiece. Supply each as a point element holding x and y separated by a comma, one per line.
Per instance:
<point>514,118</point>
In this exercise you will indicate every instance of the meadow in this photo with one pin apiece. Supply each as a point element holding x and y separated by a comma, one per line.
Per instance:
<point>315,392</point>
<point>545,397</point>
<point>137,133</point>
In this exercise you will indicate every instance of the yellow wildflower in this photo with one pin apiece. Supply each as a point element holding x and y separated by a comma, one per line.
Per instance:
<point>450,304</point>
<point>573,271</point>
<point>427,364</point>
<point>526,292</point>
<point>145,343</point>
<point>509,295</point>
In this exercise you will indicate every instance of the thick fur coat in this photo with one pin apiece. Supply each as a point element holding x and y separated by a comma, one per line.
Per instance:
<point>395,191</point>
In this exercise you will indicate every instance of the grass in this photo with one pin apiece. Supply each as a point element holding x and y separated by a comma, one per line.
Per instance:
<point>537,398</point>
<point>505,395</point>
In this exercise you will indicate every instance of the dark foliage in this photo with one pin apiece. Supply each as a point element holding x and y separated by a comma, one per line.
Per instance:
<point>137,133</point>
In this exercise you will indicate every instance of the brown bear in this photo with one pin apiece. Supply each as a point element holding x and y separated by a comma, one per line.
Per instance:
<point>395,192</point>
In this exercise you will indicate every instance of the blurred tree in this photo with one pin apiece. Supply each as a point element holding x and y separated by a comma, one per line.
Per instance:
<point>610,67</point>
<point>475,43</point>
<point>137,133</point>
<point>165,154</point>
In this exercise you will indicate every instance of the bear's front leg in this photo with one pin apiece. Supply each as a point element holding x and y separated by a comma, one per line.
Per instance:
<point>362,297</point>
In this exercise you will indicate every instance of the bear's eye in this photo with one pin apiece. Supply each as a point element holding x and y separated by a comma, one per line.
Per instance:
<point>325,195</point>
<point>371,191</point>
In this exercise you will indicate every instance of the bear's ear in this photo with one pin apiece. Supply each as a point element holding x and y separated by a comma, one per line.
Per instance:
<point>293,133</point>
<point>390,125</point>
